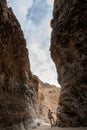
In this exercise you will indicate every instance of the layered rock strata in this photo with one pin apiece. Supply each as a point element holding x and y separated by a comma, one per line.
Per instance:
<point>18,89</point>
<point>69,52</point>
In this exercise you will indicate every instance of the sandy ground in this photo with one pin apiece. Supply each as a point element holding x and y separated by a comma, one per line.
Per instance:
<point>57,128</point>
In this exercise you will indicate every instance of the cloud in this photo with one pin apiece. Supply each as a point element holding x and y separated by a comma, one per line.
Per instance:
<point>38,11</point>
<point>35,16</point>
<point>20,9</point>
<point>50,2</point>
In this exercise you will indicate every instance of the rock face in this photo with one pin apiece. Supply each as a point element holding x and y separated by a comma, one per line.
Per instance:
<point>18,88</point>
<point>48,99</point>
<point>69,52</point>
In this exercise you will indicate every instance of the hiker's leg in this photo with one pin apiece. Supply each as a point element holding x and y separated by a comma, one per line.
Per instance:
<point>50,120</point>
<point>53,119</point>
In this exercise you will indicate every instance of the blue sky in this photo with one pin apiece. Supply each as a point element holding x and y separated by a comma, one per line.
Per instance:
<point>34,17</point>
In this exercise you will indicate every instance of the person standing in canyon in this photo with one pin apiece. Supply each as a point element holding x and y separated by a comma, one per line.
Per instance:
<point>50,116</point>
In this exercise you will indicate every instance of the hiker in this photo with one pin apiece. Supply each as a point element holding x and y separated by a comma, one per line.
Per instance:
<point>50,116</point>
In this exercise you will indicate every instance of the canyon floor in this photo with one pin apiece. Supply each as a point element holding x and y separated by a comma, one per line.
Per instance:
<point>57,128</point>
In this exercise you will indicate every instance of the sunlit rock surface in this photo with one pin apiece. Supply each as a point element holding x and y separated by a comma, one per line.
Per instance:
<point>69,52</point>
<point>48,99</point>
<point>18,88</point>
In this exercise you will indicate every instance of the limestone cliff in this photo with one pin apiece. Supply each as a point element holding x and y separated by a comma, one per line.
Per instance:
<point>69,52</point>
<point>48,99</point>
<point>18,89</point>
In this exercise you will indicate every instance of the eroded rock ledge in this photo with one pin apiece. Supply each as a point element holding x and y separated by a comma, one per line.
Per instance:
<point>18,88</point>
<point>69,52</point>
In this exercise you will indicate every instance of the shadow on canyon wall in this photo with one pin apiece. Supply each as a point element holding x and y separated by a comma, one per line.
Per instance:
<point>19,88</point>
<point>69,52</point>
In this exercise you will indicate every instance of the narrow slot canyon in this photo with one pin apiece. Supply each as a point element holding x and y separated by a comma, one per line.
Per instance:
<point>23,96</point>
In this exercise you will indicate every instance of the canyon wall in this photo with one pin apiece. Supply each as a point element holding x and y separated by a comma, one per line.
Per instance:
<point>18,88</point>
<point>69,52</point>
<point>48,99</point>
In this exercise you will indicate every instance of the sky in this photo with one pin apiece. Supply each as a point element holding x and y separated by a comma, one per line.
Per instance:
<point>34,17</point>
